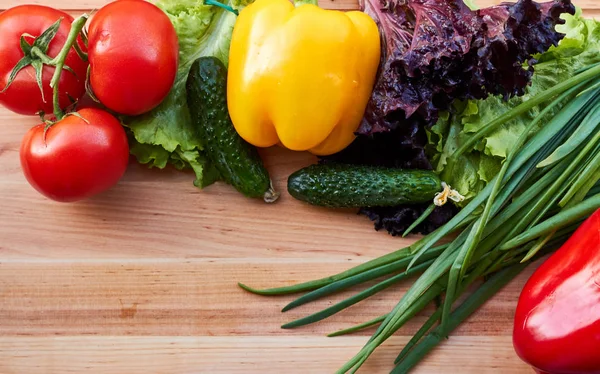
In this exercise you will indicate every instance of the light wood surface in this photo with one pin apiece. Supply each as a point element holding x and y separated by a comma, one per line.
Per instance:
<point>143,278</point>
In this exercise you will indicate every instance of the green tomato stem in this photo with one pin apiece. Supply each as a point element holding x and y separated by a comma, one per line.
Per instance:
<point>41,55</point>
<point>59,62</point>
<point>82,55</point>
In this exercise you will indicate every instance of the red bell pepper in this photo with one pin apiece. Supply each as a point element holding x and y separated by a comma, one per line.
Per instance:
<point>557,322</point>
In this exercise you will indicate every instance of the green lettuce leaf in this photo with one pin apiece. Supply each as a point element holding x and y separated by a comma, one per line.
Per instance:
<point>472,4</point>
<point>478,166</point>
<point>150,154</point>
<point>166,135</point>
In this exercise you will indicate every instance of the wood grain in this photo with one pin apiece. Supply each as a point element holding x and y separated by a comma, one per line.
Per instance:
<point>142,279</point>
<point>304,354</point>
<point>192,297</point>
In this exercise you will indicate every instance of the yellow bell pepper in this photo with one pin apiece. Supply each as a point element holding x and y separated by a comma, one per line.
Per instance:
<point>301,76</point>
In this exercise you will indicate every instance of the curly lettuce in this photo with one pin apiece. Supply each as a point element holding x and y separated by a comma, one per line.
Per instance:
<point>437,51</point>
<point>476,168</point>
<point>165,135</point>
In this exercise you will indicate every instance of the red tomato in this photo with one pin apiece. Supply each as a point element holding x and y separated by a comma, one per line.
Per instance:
<point>77,159</point>
<point>133,53</point>
<point>24,96</point>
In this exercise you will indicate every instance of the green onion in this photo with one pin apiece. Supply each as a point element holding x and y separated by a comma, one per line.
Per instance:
<point>366,276</point>
<point>562,219</point>
<point>548,184</point>
<point>523,108</point>
<point>419,220</point>
<point>359,327</point>
<point>409,358</point>
<point>356,298</point>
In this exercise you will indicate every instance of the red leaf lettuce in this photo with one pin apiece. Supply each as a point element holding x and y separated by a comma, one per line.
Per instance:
<point>436,51</point>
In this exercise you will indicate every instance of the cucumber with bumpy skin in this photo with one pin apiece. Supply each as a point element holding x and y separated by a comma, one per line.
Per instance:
<point>237,161</point>
<point>352,186</point>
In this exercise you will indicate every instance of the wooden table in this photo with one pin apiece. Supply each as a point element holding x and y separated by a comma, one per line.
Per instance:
<point>143,278</point>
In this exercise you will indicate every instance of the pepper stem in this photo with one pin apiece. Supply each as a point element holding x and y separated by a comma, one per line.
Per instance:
<point>60,59</point>
<point>297,3</point>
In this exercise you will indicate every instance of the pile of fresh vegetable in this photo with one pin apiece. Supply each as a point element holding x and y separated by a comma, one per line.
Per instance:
<point>167,135</point>
<point>547,186</point>
<point>127,67</point>
<point>480,128</point>
<point>440,55</point>
<point>48,61</point>
<point>541,180</point>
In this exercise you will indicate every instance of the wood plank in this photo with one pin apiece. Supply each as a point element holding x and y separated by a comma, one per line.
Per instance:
<point>143,278</point>
<point>194,297</point>
<point>154,213</point>
<point>297,355</point>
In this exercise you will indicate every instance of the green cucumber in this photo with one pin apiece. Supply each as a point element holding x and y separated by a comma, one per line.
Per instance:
<point>352,186</point>
<point>237,162</point>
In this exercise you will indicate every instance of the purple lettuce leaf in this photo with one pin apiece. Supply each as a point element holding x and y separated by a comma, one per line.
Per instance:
<point>403,148</point>
<point>436,51</point>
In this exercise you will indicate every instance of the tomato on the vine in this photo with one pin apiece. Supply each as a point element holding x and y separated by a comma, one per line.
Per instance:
<point>24,96</point>
<point>79,156</point>
<point>133,54</point>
